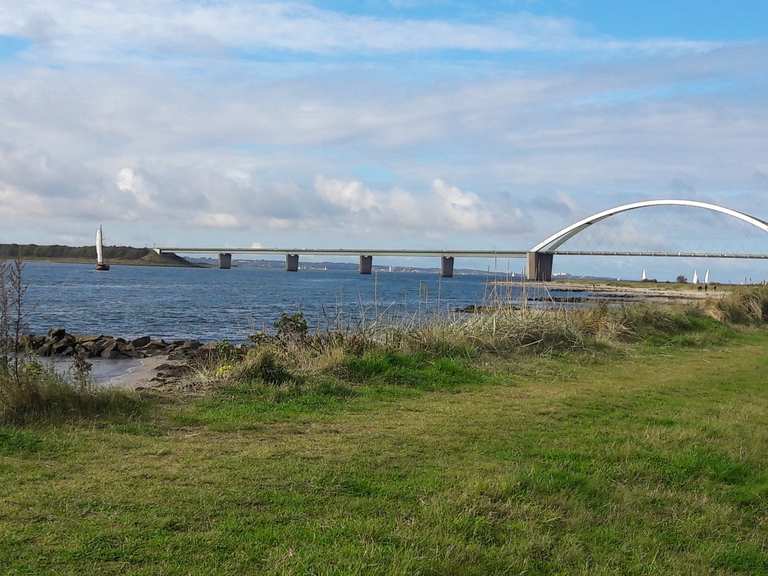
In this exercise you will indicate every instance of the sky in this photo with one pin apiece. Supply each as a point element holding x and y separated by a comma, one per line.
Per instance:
<point>434,124</point>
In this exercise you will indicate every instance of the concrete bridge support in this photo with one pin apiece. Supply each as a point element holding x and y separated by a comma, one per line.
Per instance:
<point>225,261</point>
<point>292,262</point>
<point>366,264</point>
<point>446,267</point>
<point>540,266</point>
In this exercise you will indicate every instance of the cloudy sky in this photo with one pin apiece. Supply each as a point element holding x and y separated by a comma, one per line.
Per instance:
<point>385,123</point>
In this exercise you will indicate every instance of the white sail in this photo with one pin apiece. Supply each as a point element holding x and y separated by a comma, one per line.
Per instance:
<point>99,247</point>
<point>645,276</point>
<point>706,277</point>
<point>695,277</point>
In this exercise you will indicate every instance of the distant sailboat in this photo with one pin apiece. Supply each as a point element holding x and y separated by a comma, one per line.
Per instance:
<point>100,265</point>
<point>695,277</point>
<point>706,277</point>
<point>645,276</point>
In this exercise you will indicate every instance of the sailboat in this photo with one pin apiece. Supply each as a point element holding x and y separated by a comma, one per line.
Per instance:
<point>100,265</point>
<point>706,277</point>
<point>695,277</point>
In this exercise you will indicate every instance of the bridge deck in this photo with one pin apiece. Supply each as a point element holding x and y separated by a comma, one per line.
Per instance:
<point>352,252</point>
<point>664,254</point>
<point>455,253</point>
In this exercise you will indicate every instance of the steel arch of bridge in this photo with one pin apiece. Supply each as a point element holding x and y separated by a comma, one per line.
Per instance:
<point>558,239</point>
<point>541,256</point>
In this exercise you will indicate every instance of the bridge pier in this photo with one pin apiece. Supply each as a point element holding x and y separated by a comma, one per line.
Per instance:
<point>225,261</point>
<point>446,267</point>
<point>292,262</point>
<point>366,264</point>
<point>540,266</point>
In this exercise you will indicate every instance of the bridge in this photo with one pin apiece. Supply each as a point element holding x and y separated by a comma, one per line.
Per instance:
<point>540,258</point>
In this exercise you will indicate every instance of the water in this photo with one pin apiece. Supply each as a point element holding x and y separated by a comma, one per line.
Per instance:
<point>212,304</point>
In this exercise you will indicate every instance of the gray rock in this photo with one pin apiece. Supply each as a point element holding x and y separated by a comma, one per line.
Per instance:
<point>184,350</point>
<point>155,349</point>
<point>170,371</point>
<point>56,333</point>
<point>98,346</point>
<point>124,347</point>
<point>111,352</point>
<point>63,345</point>
<point>140,342</point>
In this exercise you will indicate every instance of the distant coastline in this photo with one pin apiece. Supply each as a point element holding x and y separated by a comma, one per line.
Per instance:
<point>119,255</point>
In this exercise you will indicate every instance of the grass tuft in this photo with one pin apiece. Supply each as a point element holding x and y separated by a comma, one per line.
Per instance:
<point>263,364</point>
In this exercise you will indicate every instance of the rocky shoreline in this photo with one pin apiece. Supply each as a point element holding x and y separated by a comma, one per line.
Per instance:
<point>58,342</point>
<point>180,355</point>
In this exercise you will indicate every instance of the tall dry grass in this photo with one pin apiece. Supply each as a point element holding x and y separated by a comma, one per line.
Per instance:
<point>748,305</point>
<point>292,355</point>
<point>30,390</point>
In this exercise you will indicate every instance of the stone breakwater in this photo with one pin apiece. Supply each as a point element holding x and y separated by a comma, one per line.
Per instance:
<point>60,343</point>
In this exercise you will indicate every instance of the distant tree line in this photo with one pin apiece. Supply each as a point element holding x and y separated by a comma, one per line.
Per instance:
<point>8,251</point>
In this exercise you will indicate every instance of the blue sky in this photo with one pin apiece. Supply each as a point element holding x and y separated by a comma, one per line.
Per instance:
<point>710,19</point>
<point>385,123</point>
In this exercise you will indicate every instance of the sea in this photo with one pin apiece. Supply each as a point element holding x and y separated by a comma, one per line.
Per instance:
<point>211,304</point>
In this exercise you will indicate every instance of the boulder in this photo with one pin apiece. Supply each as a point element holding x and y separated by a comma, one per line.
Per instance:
<point>140,342</point>
<point>56,333</point>
<point>124,347</point>
<point>171,371</point>
<point>100,344</point>
<point>185,350</point>
<point>87,346</point>
<point>32,342</point>
<point>111,352</point>
<point>155,348</point>
<point>64,345</point>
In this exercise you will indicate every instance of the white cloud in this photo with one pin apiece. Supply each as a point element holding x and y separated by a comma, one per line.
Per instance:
<point>349,195</point>
<point>132,183</point>
<point>217,220</point>
<point>443,208</point>
<point>463,210</point>
<point>86,30</point>
<point>15,203</point>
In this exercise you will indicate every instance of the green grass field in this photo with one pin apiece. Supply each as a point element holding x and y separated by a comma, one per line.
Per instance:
<point>653,461</point>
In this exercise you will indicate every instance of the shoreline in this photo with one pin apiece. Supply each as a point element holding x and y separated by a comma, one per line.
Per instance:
<point>651,293</point>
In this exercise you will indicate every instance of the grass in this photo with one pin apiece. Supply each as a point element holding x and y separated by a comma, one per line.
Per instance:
<point>415,459</point>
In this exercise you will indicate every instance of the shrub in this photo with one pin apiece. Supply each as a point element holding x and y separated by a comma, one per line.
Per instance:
<point>263,364</point>
<point>291,326</point>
